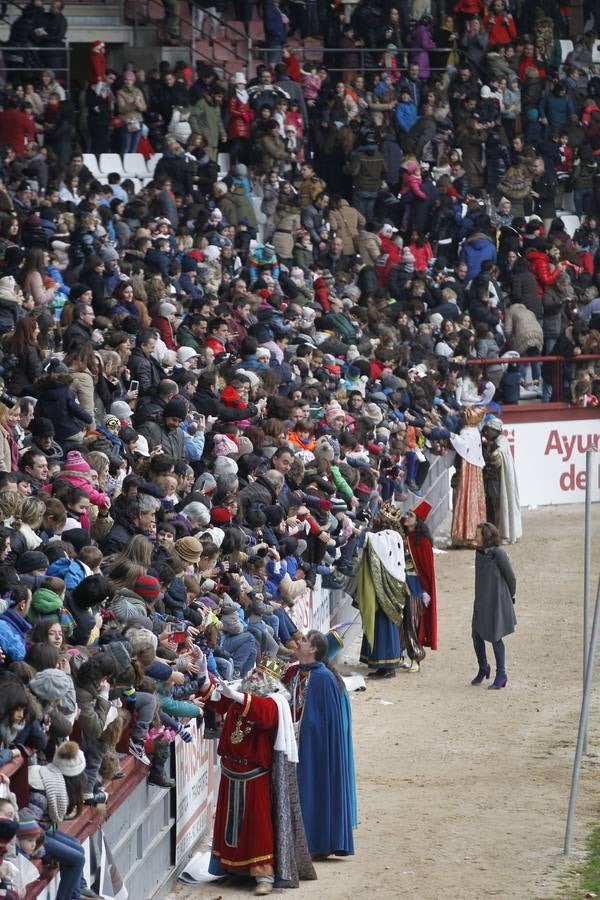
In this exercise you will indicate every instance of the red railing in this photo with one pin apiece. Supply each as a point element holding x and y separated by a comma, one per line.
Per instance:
<point>558,367</point>
<point>89,821</point>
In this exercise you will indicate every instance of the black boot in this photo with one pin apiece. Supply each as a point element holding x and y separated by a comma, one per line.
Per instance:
<point>161,755</point>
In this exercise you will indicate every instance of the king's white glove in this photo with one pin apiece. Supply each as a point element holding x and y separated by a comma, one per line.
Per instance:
<point>425,598</point>
<point>226,690</point>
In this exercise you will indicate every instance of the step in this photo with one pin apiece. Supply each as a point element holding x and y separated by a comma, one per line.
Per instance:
<point>257,32</point>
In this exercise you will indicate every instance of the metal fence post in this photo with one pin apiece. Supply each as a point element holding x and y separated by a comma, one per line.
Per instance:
<point>583,715</point>
<point>587,552</point>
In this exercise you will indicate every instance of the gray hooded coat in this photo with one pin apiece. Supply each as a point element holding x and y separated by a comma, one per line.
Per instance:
<point>495,586</point>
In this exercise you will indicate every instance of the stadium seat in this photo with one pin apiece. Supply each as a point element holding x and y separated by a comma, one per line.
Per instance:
<point>596,52</point>
<point>153,162</point>
<point>135,165</point>
<point>111,162</point>
<point>91,163</point>
<point>571,224</point>
<point>224,161</point>
<point>565,49</point>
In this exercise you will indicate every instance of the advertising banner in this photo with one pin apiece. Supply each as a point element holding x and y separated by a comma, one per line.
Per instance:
<point>550,460</point>
<point>311,610</point>
<point>196,777</point>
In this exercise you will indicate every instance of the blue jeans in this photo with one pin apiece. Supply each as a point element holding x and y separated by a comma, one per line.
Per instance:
<point>583,198</point>
<point>242,648</point>
<point>224,668</point>
<point>273,622</point>
<point>549,345</point>
<point>68,853</point>
<point>287,628</point>
<point>497,647</point>
<point>273,54</point>
<point>130,140</point>
<point>364,202</point>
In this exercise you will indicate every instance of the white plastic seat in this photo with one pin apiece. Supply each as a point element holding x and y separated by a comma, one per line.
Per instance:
<point>91,163</point>
<point>153,162</point>
<point>111,162</point>
<point>135,165</point>
<point>596,52</point>
<point>224,163</point>
<point>565,49</point>
<point>571,224</point>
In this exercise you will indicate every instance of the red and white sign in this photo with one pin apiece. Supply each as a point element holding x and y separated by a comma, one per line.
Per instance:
<point>311,610</point>
<point>550,460</point>
<point>197,782</point>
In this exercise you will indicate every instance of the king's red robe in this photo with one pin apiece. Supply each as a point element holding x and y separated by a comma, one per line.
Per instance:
<point>243,833</point>
<point>422,554</point>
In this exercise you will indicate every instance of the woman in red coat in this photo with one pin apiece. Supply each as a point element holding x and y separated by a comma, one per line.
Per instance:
<point>240,119</point>
<point>539,262</point>
<point>500,26</point>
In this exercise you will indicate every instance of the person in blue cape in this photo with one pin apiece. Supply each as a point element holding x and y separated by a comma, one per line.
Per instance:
<point>321,713</point>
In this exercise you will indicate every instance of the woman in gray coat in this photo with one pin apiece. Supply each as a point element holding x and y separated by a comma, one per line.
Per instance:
<point>493,610</point>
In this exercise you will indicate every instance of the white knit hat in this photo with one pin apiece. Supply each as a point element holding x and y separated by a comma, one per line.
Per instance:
<point>69,759</point>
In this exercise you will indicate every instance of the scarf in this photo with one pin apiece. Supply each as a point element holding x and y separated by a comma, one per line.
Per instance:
<point>285,740</point>
<point>242,95</point>
<point>50,780</point>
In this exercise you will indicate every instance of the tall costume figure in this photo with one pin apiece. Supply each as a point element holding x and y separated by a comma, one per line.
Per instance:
<point>321,715</point>
<point>469,496</point>
<point>502,490</point>
<point>419,627</point>
<point>258,829</point>
<point>382,593</point>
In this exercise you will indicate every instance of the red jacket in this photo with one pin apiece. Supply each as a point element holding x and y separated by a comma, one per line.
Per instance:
<point>469,7</point>
<point>164,328</point>
<point>391,255</point>
<point>501,30</point>
<point>527,62</point>
<point>240,117</point>
<point>540,266</point>
<point>293,69</point>
<point>322,293</point>
<point>15,126</point>
<point>422,256</point>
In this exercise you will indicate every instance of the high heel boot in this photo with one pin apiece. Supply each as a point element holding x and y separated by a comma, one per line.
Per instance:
<point>482,673</point>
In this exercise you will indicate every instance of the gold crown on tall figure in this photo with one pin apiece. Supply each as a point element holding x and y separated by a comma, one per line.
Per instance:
<point>390,515</point>
<point>272,665</point>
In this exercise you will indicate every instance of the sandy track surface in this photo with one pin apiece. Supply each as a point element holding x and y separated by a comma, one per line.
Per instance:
<point>463,792</point>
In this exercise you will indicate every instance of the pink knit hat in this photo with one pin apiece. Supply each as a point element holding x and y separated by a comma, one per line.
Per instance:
<point>224,445</point>
<point>333,411</point>
<point>76,463</point>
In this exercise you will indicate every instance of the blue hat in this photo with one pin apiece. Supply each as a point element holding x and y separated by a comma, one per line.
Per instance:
<point>335,643</point>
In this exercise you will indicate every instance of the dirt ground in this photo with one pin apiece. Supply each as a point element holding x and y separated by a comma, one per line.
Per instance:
<point>462,792</point>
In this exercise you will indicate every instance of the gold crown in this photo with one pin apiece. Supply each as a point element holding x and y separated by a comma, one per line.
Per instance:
<point>390,515</point>
<point>272,666</point>
<point>474,415</point>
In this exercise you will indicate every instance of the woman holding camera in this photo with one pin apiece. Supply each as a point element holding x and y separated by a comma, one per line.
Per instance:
<point>493,610</point>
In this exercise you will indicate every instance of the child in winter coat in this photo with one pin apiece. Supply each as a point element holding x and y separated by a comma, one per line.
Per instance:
<point>77,472</point>
<point>51,788</point>
<point>410,187</point>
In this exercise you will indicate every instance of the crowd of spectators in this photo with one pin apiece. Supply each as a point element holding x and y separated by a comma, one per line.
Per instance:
<point>212,380</point>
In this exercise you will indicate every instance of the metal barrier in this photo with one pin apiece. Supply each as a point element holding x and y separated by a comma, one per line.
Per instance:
<point>366,55</point>
<point>17,50</point>
<point>560,367</point>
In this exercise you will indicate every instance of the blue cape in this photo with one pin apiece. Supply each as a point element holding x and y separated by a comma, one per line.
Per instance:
<point>325,773</point>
